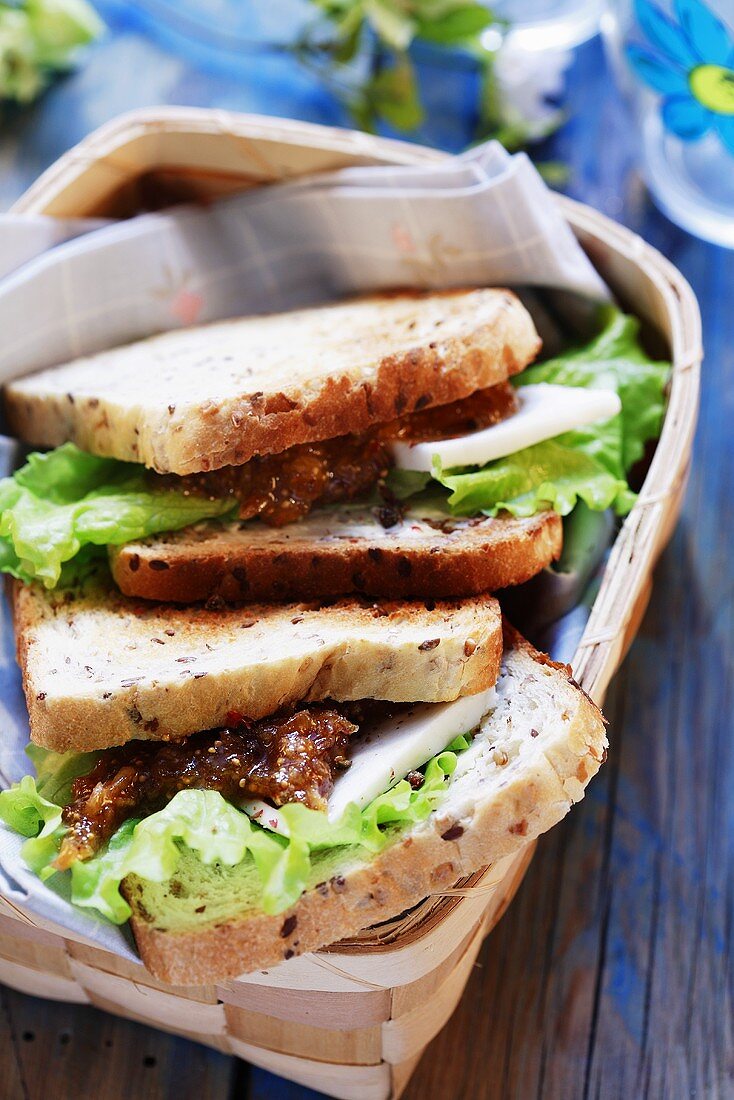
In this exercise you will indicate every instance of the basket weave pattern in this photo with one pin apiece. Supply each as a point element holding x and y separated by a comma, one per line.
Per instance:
<point>351,1020</point>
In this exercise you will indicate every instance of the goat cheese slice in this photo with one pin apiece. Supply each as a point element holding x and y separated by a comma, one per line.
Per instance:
<point>402,744</point>
<point>545,411</point>
<point>389,751</point>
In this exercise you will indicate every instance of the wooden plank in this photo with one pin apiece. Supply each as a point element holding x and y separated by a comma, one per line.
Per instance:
<point>341,1011</point>
<point>342,1081</point>
<point>45,958</point>
<point>358,1046</point>
<point>42,983</point>
<point>406,998</point>
<point>405,1038</point>
<point>52,1051</point>
<point>611,977</point>
<point>123,968</point>
<point>11,1054</point>
<point>158,1007</point>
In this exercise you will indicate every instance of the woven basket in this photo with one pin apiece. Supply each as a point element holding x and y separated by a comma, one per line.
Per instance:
<point>354,1019</point>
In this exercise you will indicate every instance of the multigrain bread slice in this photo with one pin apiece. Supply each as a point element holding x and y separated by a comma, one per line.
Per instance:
<point>529,763</point>
<point>100,670</point>
<point>200,398</point>
<point>336,552</point>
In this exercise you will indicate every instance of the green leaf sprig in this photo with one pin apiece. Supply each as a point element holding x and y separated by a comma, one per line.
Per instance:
<point>39,38</point>
<point>360,49</point>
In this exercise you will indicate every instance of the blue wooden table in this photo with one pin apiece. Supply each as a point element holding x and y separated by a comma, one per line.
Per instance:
<point>612,975</point>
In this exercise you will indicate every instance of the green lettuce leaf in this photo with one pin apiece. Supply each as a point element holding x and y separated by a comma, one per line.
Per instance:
<point>613,360</point>
<point>25,810</point>
<point>406,483</point>
<point>549,475</point>
<point>208,825</point>
<point>33,816</point>
<point>589,464</point>
<point>65,500</point>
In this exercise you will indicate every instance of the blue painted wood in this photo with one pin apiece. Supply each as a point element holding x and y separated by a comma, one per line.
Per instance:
<point>612,975</point>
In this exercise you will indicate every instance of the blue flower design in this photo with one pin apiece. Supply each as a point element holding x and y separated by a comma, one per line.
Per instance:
<point>691,66</point>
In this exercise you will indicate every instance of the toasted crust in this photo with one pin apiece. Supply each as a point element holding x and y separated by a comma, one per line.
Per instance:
<point>198,399</point>
<point>483,819</point>
<point>352,554</point>
<point>100,670</point>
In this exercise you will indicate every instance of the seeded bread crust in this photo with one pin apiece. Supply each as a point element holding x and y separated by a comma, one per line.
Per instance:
<point>353,554</point>
<point>197,399</point>
<point>101,670</point>
<point>543,743</point>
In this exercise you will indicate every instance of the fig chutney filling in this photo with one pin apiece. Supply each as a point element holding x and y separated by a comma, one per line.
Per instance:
<point>289,758</point>
<point>283,488</point>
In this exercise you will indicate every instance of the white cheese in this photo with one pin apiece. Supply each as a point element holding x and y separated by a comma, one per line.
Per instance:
<point>545,411</point>
<point>391,750</point>
<point>400,745</point>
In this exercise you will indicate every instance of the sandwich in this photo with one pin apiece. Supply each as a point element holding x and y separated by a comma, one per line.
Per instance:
<point>248,784</point>
<point>272,700</point>
<point>397,446</point>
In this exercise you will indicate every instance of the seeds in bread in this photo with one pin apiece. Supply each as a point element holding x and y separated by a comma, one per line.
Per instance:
<point>100,670</point>
<point>335,552</point>
<point>531,761</point>
<point>197,399</point>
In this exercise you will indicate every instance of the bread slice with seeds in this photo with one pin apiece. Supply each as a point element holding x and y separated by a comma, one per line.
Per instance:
<point>200,398</point>
<point>334,552</point>
<point>100,670</point>
<point>528,764</point>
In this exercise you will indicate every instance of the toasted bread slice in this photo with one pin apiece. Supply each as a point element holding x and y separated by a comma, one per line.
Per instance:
<point>529,763</point>
<point>335,552</point>
<point>100,670</point>
<point>197,399</point>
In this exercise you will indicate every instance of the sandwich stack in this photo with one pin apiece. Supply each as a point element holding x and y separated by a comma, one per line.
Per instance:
<point>265,778</point>
<point>531,738</point>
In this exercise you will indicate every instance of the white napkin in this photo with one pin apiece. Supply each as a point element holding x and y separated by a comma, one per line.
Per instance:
<point>71,288</point>
<point>24,236</point>
<point>484,219</point>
